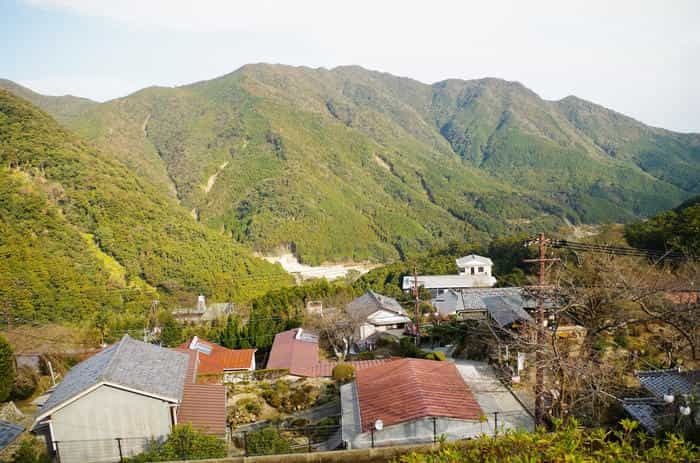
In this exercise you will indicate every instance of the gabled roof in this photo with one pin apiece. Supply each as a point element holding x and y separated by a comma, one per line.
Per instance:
<point>506,310</point>
<point>411,389</point>
<point>473,259</point>
<point>8,433</point>
<point>295,350</point>
<point>371,302</point>
<point>130,364</point>
<point>214,359</point>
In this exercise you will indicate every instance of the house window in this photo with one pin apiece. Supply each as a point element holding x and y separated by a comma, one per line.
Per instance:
<point>481,269</point>
<point>472,269</point>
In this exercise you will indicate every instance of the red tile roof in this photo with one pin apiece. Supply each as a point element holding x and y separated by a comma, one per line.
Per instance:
<point>290,351</point>
<point>221,358</point>
<point>410,389</point>
<point>203,405</point>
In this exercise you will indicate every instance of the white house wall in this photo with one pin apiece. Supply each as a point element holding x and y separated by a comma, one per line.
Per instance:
<point>419,431</point>
<point>105,414</point>
<point>384,317</point>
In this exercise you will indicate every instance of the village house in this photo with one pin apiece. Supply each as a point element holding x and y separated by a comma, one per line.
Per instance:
<point>217,360</point>
<point>474,272</point>
<point>203,313</point>
<point>669,399</point>
<point>131,391</point>
<point>377,313</point>
<point>296,350</point>
<point>408,401</point>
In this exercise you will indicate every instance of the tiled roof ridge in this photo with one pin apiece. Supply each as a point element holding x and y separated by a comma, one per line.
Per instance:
<point>103,374</point>
<point>660,371</point>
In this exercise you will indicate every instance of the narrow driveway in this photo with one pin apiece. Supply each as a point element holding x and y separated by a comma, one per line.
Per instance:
<point>495,399</point>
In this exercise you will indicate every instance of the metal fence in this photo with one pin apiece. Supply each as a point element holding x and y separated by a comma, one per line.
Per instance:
<point>301,439</point>
<point>100,450</point>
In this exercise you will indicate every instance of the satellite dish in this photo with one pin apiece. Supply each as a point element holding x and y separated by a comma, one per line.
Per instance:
<point>379,425</point>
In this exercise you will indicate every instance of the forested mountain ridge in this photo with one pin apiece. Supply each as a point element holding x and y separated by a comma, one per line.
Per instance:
<point>350,163</point>
<point>79,231</point>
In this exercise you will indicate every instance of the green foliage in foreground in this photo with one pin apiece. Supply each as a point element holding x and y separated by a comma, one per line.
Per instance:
<point>267,441</point>
<point>568,443</point>
<point>184,443</point>
<point>30,450</point>
<point>79,231</point>
<point>7,369</point>
<point>677,230</point>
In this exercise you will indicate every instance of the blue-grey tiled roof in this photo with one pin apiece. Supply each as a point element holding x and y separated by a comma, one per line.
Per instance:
<point>505,310</point>
<point>129,363</point>
<point>8,433</point>
<point>371,302</point>
<point>660,382</point>
<point>645,411</point>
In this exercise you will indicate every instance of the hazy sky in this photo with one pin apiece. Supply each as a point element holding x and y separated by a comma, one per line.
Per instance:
<point>640,57</point>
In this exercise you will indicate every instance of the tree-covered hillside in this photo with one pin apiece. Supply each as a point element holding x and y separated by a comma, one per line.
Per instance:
<point>79,231</point>
<point>675,230</point>
<point>354,164</point>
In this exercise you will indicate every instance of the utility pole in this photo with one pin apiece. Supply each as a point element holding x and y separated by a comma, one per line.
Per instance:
<point>416,295</point>
<point>540,289</point>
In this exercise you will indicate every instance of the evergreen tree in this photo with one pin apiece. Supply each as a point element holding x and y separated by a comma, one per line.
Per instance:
<point>7,369</point>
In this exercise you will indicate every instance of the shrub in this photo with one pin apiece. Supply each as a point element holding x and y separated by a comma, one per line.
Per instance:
<point>245,411</point>
<point>267,441</point>
<point>184,443</point>
<point>30,450</point>
<point>25,384</point>
<point>440,356</point>
<point>430,356</point>
<point>343,372</point>
<point>366,356</point>
<point>7,369</point>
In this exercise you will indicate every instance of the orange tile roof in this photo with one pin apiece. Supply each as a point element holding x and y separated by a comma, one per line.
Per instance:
<point>411,389</point>
<point>221,358</point>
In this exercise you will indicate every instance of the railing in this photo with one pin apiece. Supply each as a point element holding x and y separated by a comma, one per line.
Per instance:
<point>301,439</point>
<point>100,450</point>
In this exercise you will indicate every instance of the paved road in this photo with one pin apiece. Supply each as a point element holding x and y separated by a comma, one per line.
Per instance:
<point>493,396</point>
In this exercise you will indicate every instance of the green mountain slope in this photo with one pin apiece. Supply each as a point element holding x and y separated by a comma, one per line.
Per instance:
<point>350,163</point>
<point>79,231</point>
<point>675,230</point>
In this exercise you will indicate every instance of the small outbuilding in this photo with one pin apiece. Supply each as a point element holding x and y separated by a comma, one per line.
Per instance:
<point>408,401</point>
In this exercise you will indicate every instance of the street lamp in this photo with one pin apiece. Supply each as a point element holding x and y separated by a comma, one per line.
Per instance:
<point>378,425</point>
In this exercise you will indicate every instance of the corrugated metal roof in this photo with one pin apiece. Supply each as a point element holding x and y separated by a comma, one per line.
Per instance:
<point>410,389</point>
<point>449,281</point>
<point>8,433</point>
<point>129,363</point>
